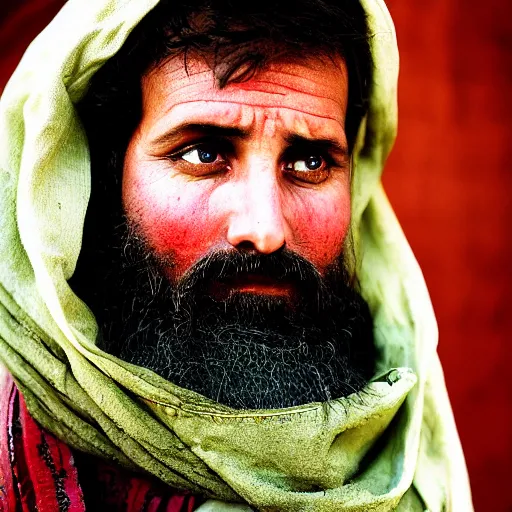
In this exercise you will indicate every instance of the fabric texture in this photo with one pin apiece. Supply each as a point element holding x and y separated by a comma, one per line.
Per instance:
<point>359,453</point>
<point>37,470</point>
<point>41,473</point>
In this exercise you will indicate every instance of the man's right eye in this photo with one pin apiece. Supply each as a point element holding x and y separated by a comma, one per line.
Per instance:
<point>201,155</point>
<point>201,159</point>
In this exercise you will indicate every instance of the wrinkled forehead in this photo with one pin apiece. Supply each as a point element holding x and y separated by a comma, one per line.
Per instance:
<point>314,86</point>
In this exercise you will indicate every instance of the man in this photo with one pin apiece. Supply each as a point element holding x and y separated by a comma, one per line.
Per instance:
<point>226,349</point>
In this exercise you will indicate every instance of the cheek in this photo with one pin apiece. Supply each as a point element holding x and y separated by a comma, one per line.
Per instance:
<point>173,216</point>
<point>320,225</point>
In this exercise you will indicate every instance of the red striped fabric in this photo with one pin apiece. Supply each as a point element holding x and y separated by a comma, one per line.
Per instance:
<point>50,468</point>
<point>39,473</point>
<point>7,397</point>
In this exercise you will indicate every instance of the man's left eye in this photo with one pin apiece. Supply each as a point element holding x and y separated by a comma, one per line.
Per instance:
<point>201,155</point>
<point>312,169</point>
<point>312,163</point>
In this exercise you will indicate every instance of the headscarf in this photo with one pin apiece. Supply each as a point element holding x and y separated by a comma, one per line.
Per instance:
<point>392,445</point>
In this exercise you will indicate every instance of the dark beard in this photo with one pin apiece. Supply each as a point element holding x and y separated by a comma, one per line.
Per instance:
<point>244,350</point>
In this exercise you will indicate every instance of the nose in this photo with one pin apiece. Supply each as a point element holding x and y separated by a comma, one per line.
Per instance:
<point>257,220</point>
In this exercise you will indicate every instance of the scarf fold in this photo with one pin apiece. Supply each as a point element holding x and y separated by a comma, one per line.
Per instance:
<point>359,453</point>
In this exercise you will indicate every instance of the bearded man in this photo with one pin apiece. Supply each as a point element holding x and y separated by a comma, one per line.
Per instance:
<point>206,301</point>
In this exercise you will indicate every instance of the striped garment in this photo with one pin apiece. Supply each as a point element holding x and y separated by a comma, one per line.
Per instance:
<point>39,473</point>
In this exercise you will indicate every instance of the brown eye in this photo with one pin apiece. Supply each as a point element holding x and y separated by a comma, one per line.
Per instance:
<point>313,169</point>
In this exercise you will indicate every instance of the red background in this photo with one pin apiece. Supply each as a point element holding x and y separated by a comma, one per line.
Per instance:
<point>449,179</point>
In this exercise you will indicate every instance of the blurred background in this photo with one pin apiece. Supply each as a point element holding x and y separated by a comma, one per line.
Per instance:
<point>449,179</point>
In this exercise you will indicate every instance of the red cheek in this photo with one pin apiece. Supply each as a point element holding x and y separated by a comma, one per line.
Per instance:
<point>321,228</point>
<point>183,231</point>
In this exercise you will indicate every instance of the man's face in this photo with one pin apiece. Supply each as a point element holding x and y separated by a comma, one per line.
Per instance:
<point>228,276</point>
<point>256,166</point>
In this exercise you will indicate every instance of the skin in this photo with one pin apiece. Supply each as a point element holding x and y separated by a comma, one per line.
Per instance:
<point>255,166</point>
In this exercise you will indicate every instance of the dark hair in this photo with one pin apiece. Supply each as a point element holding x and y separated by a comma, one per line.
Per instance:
<point>236,38</point>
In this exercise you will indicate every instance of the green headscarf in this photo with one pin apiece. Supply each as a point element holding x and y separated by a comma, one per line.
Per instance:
<point>321,456</point>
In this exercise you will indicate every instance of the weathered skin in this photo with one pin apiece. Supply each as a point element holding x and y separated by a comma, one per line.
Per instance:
<point>255,194</point>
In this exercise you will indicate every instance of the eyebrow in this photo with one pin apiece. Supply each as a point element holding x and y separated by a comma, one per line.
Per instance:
<point>175,134</point>
<point>327,144</point>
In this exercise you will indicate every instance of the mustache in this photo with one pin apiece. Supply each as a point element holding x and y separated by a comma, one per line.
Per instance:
<point>227,265</point>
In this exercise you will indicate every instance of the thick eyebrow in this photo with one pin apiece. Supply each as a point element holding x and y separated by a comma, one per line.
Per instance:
<point>176,134</point>
<point>327,144</point>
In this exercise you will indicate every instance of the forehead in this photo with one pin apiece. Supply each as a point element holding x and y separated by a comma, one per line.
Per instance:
<point>313,91</point>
